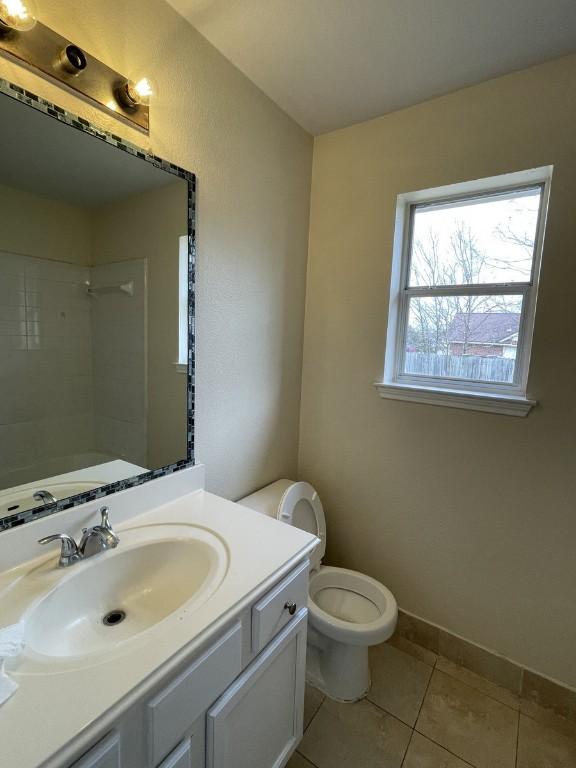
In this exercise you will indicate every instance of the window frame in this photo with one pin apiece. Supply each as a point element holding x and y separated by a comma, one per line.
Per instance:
<point>463,393</point>
<point>182,362</point>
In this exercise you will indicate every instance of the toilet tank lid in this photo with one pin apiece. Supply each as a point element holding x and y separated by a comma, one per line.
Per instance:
<point>301,507</point>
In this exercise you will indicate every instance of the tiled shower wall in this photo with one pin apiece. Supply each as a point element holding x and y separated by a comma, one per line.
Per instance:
<point>49,393</point>
<point>45,364</point>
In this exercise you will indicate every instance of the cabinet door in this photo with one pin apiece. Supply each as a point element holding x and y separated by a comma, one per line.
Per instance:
<point>257,723</point>
<point>181,757</point>
<point>173,711</point>
<point>106,754</point>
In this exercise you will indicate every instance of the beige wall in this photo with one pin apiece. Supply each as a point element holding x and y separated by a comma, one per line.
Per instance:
<point>148,226</point>
<point>60,231</point>
<point>253,165</point>
<point>469,518</point>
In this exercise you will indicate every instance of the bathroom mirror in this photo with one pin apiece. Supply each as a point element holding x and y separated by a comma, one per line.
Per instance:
<point>96,306</point>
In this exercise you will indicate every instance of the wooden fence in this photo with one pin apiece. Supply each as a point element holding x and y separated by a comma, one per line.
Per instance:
<point>499,369</point>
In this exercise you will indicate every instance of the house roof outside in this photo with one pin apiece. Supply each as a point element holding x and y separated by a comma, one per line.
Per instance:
<point>484,327</point>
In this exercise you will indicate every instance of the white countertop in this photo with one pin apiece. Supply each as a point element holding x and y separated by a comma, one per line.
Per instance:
<point>63,484</point>
<point>60,702</point>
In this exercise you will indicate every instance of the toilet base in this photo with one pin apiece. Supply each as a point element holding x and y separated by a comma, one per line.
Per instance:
<point>339,670</point>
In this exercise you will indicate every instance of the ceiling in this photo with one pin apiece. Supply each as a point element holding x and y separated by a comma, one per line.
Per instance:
<point>331,63</point>
<point>51,159</point>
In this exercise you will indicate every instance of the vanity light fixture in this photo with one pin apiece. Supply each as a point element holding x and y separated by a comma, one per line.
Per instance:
<point>72,60</point>
<point>137,93</point>
<point>17,15</point>
<point>26,39</point>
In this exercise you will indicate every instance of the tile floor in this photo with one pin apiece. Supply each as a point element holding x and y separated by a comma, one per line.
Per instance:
<point>423,711</point>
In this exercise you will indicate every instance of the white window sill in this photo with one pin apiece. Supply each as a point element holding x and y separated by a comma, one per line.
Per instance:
<point>181,367</point>
<point>453,398</point>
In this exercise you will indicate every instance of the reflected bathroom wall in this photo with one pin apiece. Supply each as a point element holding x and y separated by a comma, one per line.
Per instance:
<point>88,328</point>
<point>119,381</point>
<point>149,226</point>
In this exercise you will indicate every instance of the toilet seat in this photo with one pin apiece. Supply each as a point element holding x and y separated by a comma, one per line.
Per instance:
<point>374,599</point>
<point>301,507</point>
<point>294,503</point>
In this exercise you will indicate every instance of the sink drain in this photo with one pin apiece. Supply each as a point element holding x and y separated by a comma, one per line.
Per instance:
<point>113,618</point>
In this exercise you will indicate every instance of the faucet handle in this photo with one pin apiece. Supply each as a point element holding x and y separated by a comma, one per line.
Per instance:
<point>113,538</point>
<point>105,519</point>
<point>69,553</point>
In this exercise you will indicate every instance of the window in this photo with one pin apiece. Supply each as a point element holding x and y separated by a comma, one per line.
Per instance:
<point>182,363</point>
<point>463,293</point>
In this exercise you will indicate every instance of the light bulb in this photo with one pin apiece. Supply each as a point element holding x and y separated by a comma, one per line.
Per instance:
<point>136,93</point>
<point>146,89</point>
<point>20,15</point>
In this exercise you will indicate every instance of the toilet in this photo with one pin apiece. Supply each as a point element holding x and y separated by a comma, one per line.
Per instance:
<point>347,611</point>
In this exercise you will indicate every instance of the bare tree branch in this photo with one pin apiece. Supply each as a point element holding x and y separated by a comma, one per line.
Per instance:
<point>432,318</point>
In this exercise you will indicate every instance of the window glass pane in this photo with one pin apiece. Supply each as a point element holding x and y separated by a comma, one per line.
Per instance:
<point>183,300</point>
<point>463,337</point>
<point>485,240</point>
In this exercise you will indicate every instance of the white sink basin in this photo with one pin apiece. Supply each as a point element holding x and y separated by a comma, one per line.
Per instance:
<point>109,600</point>
<point>20,499</point>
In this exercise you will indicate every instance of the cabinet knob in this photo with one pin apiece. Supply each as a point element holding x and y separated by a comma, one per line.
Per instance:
<point>291,608</point>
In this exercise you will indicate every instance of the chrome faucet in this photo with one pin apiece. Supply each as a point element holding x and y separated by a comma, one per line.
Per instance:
<point>99,537</point>
<point>94,540</point>
<point>69,554</point>
<point>45,497</point>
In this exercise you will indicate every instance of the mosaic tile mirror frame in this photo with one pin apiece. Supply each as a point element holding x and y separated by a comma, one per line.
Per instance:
<point>13,513</point>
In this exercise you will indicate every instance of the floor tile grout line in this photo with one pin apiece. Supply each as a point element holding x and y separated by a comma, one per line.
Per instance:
<point>303,756</point>
<point>407,748</point>
<point>549,724</point>
<point>445,748</point>
<point>318,708</point>
<point>415,655</point>
<point>386,712</point>
<point>420,711</point>
<point>424,697</point>
<point>514,709</point>
<point>413,729</point>
<point>383,709</point>
<point>517,740</point>
<point>436,669</point>
<point>477,691</point>
<point>367,700</point>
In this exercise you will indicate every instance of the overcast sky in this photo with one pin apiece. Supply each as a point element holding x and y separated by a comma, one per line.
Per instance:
<point>519,213</point>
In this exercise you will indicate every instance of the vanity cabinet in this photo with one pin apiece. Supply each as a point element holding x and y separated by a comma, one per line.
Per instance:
<point>278,606</point>
<point>239,703</point>
<point>257,723</point>
<point>105,754</point>
<point>181,757</point>
<point>172,711</point>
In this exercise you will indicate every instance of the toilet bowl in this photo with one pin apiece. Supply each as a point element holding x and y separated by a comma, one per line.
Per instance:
<point>347,610</point>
